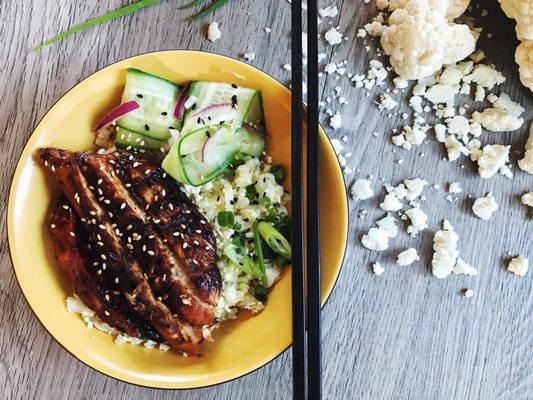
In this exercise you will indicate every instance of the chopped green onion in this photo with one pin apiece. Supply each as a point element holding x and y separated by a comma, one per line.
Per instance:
<point>275,240</point>
<point>190,4</point>
<point>259,252</point>
<point>242,261</point>
<point>99,20</point>
<point>260,292</point>
<point>278,171</point>
<point>237,227</point>
<point>226,219</point>
<point>207,10</point>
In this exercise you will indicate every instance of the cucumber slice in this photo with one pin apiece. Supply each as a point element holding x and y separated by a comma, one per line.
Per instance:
<point>252,142</point>
<point>127,139</point>
<point>157,98</point>
<point>207,156</point>
<point>255,115</point>
<point>221,103</point>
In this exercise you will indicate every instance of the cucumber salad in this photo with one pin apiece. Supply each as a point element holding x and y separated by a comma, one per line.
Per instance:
<point>211,138</point>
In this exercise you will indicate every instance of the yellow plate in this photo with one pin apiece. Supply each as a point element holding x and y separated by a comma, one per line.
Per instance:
<point>240,346</point>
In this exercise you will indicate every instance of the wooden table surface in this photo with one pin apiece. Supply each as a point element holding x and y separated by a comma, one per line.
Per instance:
<point>404,335</point>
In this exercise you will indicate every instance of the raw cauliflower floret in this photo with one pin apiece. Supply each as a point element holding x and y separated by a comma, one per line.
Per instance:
<point>526,163</point>
<point>414,188</point>
<point>518,265</point>
<point>391,203</point>
<point>407,257</point>
<point>455,148</point>
<point>522,12</point>
<point>388,223</point>
<point>420,41</point>
<point>527,199</point>
<point>491,159</point>
<point>418,220</point>
<point>462,267</point>
<point>484,207</point>
<point>213,32</point>
<point>376,239</point>
<point>524,58</point>
<point>445,255</point>
<point>362,189</point>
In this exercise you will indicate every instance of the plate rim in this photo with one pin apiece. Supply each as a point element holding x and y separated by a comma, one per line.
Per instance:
<point>10,210</point>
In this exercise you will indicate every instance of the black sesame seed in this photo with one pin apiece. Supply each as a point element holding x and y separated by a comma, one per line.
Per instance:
<point>234,99</point>
<point>232,202</point>
<point>193,107</point>
<point>146,127</point>
<point>208,134</point>
<point>199,120</point>
<point>246,219</point>
<point>209,118</point>
<point>140,96</point>
<point>164,113</point>
<point>234,86</point>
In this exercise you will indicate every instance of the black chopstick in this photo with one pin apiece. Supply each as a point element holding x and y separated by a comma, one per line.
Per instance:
<point>298,288</point>
<point>314,353</point>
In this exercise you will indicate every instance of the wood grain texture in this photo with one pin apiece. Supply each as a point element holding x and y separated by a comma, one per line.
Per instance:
<point>404,335</point>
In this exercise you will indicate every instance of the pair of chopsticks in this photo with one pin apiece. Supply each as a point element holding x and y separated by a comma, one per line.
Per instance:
<point>307,365</point>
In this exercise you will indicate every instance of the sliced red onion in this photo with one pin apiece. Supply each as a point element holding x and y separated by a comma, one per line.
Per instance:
<point>116,113</point>
<point>253,129</point>
<point>213,107</point>
<point>207,144</point>
<point>179,110</point>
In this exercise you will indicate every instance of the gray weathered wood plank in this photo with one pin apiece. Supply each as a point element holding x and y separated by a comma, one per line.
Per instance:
<point>404,335</point>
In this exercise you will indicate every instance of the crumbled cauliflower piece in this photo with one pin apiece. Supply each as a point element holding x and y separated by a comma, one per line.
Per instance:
<point>518,265</point>
<point>391,203</point>
<point>440,132</point>
<point>335,121</point>
<point>414,188</point>
<point>442,93</point>
<point>377,268</point>
<point>213,33</point>
<point>388,223</point>
<point>454,148</point>
<point>333,36</point>
<point>484,207</point>
<point>386,102</point>
<point>462,267</point>
<point>445,251</point>
<point>376,239</point>
<point>491,159</point>
<point>407,257</point>
<point>420,41</point>
<point>418,220</point>
<point>484,75</point>
<point>330,11</point>
<point>497,120</point>
<point>362,189</point>
<point>454,188</point>
<point>527,199</point>
<point>505,103</point>
<point>524,58</point>
<point>480,93</point>
<point>458,125</point>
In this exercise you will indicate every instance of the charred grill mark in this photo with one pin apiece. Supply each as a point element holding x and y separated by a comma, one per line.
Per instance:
<point>85,274</point>
<point>126,271</point>
<point>164,272</point>
<point>178,220</point>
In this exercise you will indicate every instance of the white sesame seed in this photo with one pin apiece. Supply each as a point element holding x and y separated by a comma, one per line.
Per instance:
<point>52,226</point>
<point>100,181</point>
<point>171,206</point>
<point>198,231</point>
<point>107,297</point>
<point>116,280</point>
<point>123,206</point>
<point>99,272</point>
<point>185,245</point>
<point>103,256</point>
<point>106,313</point>
<point>176,234</point>
<point>66,207</point>
<point>101,226</point>
<point>196,242</point>
<point>151,252</point>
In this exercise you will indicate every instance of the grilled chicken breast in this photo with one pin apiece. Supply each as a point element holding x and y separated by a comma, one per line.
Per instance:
<point>149,240</point>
